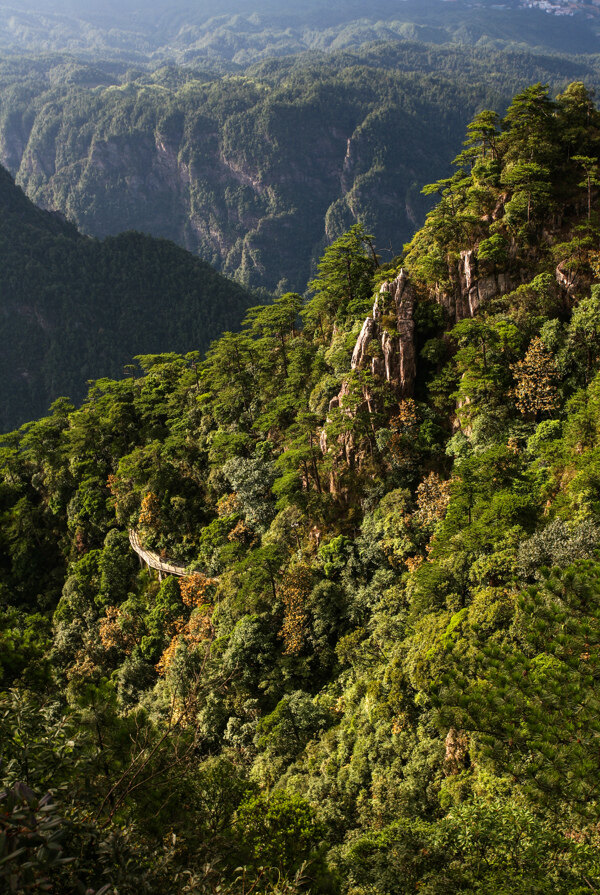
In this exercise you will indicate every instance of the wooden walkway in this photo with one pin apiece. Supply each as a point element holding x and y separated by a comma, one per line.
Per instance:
<point>153,560</point>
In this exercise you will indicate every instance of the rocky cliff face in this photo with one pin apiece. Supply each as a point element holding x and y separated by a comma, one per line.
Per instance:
<point>386,343</point>
<point>391,328</point>
<point>386,347</point>
<point>471,288</point>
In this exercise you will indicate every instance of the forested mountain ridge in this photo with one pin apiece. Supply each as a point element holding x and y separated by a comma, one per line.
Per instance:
<point>239,32</point>
<point>255,172</point>
<point>75,308</point>
<point>379,674</point>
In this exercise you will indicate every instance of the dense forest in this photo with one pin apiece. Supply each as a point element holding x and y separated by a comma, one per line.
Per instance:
<point>75,308</point>
<point>378,673</point>
<point>256,171</point>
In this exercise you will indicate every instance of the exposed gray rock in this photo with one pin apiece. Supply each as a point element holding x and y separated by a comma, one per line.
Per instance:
<point>393,360</point>
<point>367,333</point>
<point>397,363</point>
<point>569,280</point>
<point>470,289</point>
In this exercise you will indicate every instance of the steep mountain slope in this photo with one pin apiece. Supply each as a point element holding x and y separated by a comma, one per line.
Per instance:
<point>74,308</point>
<point>379,674</point>
<point>257,173</point>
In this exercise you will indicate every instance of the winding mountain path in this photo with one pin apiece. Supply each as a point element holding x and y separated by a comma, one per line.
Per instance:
<point>153,560</point>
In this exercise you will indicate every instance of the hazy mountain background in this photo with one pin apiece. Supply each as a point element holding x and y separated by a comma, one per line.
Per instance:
<point>236,33</point>
<point>259,170</point>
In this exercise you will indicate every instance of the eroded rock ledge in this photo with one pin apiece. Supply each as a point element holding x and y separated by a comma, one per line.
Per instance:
<point>471,289</point>
<point>386,342</point>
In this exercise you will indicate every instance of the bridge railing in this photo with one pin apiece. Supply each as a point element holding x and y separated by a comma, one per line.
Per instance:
<point>153,560</point>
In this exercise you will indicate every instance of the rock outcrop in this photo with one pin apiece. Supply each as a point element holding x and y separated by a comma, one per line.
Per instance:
<point>471,289</point>
<point>386,347</point>
<point>390,330</point>
<point>572,282</point>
